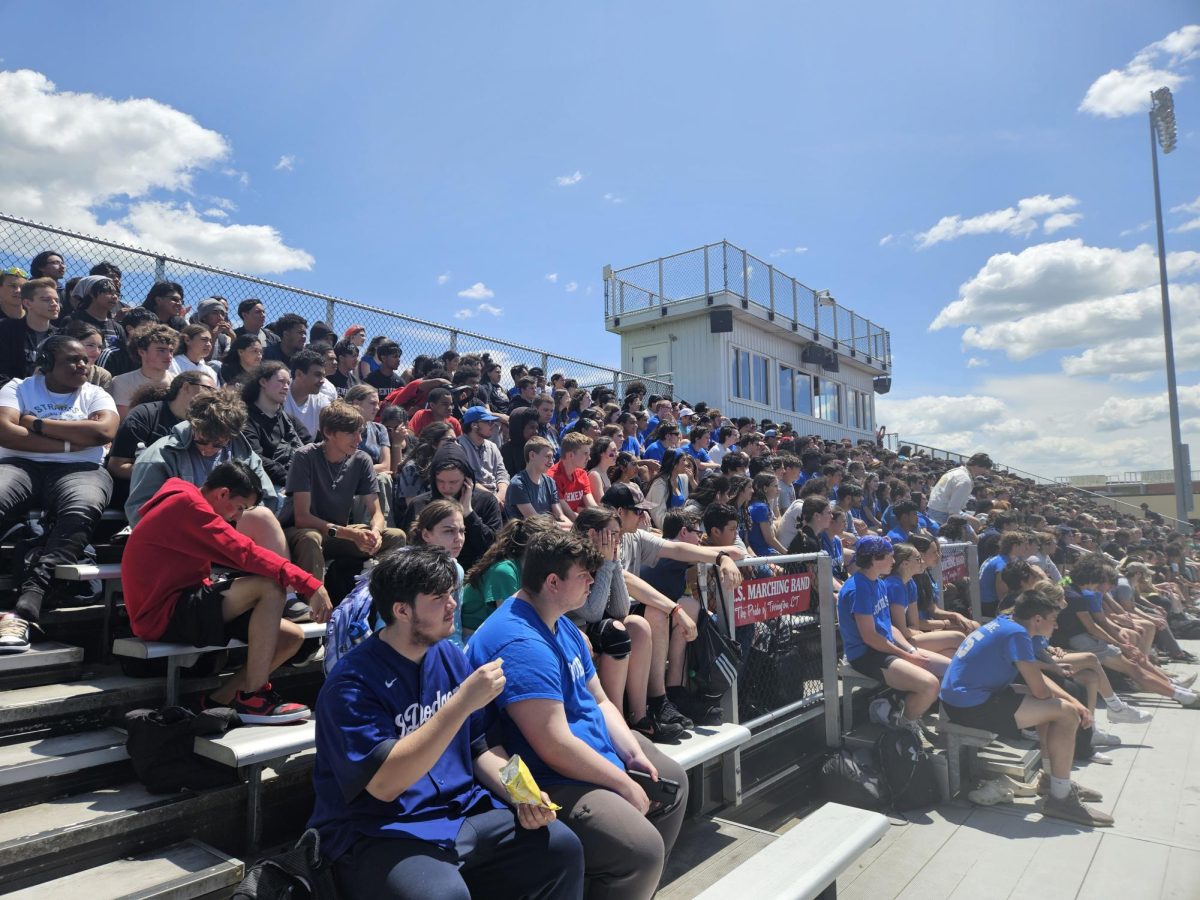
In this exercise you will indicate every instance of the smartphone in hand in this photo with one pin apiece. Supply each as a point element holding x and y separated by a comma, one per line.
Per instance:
<point>662,791</point>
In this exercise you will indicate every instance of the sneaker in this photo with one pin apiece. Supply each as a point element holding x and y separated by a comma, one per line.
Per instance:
<point>700,710</point>
<point>296,610</point>
<point>658,731</point>
<point>991,792</point>
<point>265,707</point>
<point>1030,734</point>
<point>14,634</point>
<point>1099,758</point>
<point>1071,809</point>
<point>1185,681</point>
<point>1128,715</point>
<point>1086,794</point>
<point>669,714</point>
<point>1019,788</point>
<point>1191,701</point>
<point>1104,739</point>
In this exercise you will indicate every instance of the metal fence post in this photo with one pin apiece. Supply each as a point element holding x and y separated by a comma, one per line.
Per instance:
<point>816,315</point>
<point>829,661</point>
<point>546,365</point>
<point>329,304</point>
<point>661,299</point>
<point>160,269</point>
<point>745,276</point>
<point>707,292</point>
<point>973,582</point>
<point>454,343</point>
<point>725,265</point>
<point>795,307</point>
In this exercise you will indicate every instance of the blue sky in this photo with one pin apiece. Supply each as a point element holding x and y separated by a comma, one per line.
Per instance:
<point>379,151</point>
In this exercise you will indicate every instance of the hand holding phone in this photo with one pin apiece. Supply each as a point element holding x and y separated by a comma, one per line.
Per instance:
<point>662,791</point>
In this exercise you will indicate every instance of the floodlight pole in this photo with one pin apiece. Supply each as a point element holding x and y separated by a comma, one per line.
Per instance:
<point>1179,455</point>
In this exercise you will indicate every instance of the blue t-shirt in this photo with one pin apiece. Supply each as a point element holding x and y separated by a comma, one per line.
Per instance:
<point>988,597</point>
<point>542,665</point>
<point>655,451</point>
<point>899,593</point>
<point>896,536</point>
<point>759,512</point>
<point>928,524</point>
<point>690,449</point>
<point>986,663</point>
<point>862,596</point>
<point>833,547</point>
<point>631,445</point>
<point>541,496</point>
<point>651,426</point>
<point>372,699</point>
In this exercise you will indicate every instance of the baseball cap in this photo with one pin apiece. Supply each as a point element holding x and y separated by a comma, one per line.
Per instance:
<point>686,411</point>
<point>477,414</point>
<point>621,496</point>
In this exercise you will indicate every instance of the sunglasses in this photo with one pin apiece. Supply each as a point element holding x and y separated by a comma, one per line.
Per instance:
<point>14,270</point>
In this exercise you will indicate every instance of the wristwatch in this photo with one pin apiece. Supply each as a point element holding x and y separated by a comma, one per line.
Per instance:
<point>37,425</point>
<point>331,530</point>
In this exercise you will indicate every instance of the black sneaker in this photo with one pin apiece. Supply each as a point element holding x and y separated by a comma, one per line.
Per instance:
<point>700,710</point>
<point>296,610</point>
<point>669,714</point>
<point>656,729</point>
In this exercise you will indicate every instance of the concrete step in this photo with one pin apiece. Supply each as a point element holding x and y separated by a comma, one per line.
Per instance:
<point>185,870</point>
<point>68,754</point>
<point>46,662</point>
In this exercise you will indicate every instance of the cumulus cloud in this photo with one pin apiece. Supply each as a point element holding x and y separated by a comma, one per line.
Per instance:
<point>477,291</point>
<point>443,278</point>
<point>572,287</point>
<point>552,277</point>
<point>1021,220</point>
<point>286,163</point>
<point>71,158</point>
<point>1118,413</point>
<point>1126,91</point>
<point>568,180</point>
<point>886,239</point>
<point>481,309</point>
<point>976,363</point>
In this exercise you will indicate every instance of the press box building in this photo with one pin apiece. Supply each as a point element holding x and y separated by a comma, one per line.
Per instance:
<point>735,331</point>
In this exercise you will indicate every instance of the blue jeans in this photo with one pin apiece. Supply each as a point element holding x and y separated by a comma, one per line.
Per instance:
<point>73,495</point>
<point>493,857</point>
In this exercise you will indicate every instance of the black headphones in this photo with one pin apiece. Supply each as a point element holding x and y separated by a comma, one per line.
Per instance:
<point>44,359</point>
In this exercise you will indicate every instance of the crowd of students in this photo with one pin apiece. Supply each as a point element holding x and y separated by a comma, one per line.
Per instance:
<point>533,554</point>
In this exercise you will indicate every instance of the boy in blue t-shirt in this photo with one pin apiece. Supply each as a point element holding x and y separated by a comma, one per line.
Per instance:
<point>873,646</point>
<point>404,764</point>
<point>554,713</point>
<point>978,692</point>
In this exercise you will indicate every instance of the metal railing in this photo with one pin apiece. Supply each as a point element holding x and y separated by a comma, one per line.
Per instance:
<point>21,240</point>
<point>724,267</point>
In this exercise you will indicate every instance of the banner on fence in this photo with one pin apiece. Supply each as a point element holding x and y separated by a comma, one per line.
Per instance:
<point>954,566</point>
<point>759,599</point>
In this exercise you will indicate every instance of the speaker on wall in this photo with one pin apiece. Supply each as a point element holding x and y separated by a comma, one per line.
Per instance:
<point>812,353</point>
<point>883,384</point>
<point>830,362</point>
<point>720,320</point>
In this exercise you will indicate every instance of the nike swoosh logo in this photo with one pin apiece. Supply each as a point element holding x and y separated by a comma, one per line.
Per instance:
<point>390,683</point>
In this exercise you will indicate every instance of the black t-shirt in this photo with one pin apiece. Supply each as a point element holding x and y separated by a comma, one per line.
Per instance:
<point>384,383</point>
<point>1068,620</point>
<point>342,382</point>
<point>145,424</point>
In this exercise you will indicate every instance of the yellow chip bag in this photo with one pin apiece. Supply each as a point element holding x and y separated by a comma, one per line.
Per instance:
<point>520,784</point>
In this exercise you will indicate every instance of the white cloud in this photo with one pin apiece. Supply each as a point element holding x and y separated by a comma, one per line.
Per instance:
<point>489,309</point>
<point>70,158</point>
<point>1126,91</point>
<point>886,239</point>
<point>243,178</point>
<point>1138,229</point>
<point>611,197</point>
<point>568,180</point>
<point>477,291</point>
<point>1191,209</point>
<point>1059,221</point>
<point>1022,220</point>
<point>286,163</point>
<point>215,213</point>
<point>464,314</point>
<point>482,308</point>
<point>976,363</point>
<point>785,251</point>
<point>443,278</point>
<point>552,277</point>
<point>572,287</point>
<point>223,203</point>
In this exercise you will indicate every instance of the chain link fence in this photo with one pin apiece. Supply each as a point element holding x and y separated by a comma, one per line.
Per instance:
<point>21,240</point>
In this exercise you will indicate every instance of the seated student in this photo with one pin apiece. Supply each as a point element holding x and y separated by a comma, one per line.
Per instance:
<point>1084,627</point>
<point>496,575</point>
<point>697,448</point>
<point>483,453</point>
<point>531,491</point>
<point>345,376</point>
<point>665,438</point>
<point>876,648</point>
<point>554,713</point>
<point>901,587</point>
<point>440,408</point>
<point>181,603</point>
<point>53,428</point>
<point>452,478</point>
<point>1014,545</point>
<point>96,299</point>
<point>195,346</point>
<point>148,422</point>
<point>386,378</point>
<point>272,433</point>
<point>762,538</point>
<point>322,483</point>
<point>620,639</point>
<point>978,692</point>
<point>154,347</point>
<point>905,514</point>
<point>305,399</point>
<point>570,475</point>
<point>409,799</point>
<point>20,339</point>
<point>11,281</point>
<point>931,615</point>
<point>292,330</point>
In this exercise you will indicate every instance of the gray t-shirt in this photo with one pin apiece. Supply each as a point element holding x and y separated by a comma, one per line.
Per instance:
<point>332,486</point>
<point>638,549</point>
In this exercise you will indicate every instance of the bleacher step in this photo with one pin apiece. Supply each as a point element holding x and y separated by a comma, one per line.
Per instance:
<point>185,870</point>
<point>67,754</point>
<point>46,662</point>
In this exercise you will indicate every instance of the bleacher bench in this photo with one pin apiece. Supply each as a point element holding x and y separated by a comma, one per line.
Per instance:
<point>180,656</point>
<point>852,679</point>
<point>806,861</point>
<point>704,743</point>
<point>959,740</point>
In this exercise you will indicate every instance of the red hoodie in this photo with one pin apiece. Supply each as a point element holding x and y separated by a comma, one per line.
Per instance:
<point>175,544</point>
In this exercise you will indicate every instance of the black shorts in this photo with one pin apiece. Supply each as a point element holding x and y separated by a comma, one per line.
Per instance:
<point>997,713</point>
<point>872,663</point>
<point>197,618</point>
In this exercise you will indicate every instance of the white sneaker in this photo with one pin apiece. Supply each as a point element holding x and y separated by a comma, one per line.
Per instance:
<point>1185,681</point>
<point>1104,739</point>
<point>1128,715</point>
<point>991,792</point>
<point>1030,734</point>
<point>1101,759</point>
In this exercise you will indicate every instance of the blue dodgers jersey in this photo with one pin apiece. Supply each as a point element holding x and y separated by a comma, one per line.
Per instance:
<point>542,665</point>
<point>862,596</point>
<point>372,699</point>
<point>986,662</point>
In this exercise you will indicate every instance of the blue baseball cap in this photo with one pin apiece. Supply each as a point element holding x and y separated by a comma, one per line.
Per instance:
<point>478,414</point>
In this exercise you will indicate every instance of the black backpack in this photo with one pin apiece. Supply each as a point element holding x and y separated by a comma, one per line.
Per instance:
<point>298,874</point>
<point>850,778</point>
<point>908,771</point>
<point>160,743</point>
<point>713,659</point>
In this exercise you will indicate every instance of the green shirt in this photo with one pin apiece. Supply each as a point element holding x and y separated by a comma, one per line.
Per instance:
<point>496,585</point>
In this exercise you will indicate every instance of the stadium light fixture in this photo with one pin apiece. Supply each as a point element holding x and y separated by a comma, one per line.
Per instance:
<point>1163,133</point>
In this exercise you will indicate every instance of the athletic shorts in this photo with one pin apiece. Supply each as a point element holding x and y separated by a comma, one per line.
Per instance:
<point>872,663</point>
<point>997,713</point>
<point>197,618</point>
<point>1085,643</point>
